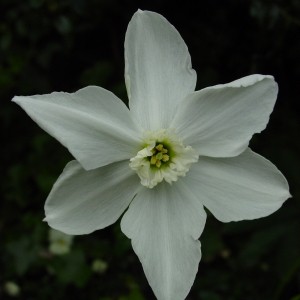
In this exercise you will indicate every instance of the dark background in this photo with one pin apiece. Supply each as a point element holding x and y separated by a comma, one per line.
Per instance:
<point>52,45</point>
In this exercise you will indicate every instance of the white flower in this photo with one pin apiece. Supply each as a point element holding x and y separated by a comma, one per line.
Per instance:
<point>99,266</point>
<point>60,243</point>
<point>173,152</point>
<point>12,289</point>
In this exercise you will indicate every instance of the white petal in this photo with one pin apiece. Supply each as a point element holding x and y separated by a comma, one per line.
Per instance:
<point>83,201</point>
<point>239,188</point>
<point>92,123</point>
<point>219,121</point>
<point>164,224</point>
<point>158,69</point>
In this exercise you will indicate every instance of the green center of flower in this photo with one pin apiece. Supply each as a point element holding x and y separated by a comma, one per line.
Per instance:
<point>162,157</point>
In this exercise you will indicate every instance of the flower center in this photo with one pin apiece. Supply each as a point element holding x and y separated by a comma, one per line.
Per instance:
<point>159,156</point>
<point>162,157</point>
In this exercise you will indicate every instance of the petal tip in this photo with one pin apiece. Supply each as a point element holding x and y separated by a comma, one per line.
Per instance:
<point>288,196</point>
<point>251,80</point>
<point>15,99</point>
<point>138,13</point>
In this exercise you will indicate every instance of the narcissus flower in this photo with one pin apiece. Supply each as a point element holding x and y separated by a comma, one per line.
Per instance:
<point>171,153</point>
<point>59,242</point>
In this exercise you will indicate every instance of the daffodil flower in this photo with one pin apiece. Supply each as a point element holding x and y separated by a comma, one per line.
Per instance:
<point>173,152</point>
<point>60,243</point>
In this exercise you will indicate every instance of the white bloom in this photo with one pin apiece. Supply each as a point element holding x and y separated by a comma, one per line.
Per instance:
<point>173,152</point>
<point>60,243</point>
<point>99,266</point>
<point>12,289</point>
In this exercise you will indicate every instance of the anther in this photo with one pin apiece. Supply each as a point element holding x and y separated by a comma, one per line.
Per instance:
<point>159,147</point>
<point>159,156</point>
<point>158,163</point>
<point>153,160</point>
<point>165,158</point>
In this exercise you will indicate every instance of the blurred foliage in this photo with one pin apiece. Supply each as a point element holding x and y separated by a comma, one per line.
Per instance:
<point>48,45</point>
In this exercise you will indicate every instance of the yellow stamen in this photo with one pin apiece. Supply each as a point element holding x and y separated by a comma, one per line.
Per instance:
<point>165,157</point>
<point>153,160</point>
<point>159,156</point>
<point>158,163</point>
<point>159,147</point>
